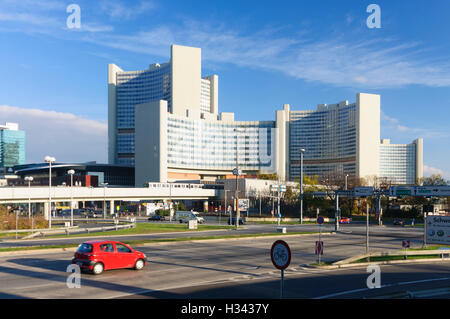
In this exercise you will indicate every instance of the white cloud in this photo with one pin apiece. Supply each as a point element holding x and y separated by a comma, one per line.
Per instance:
<point>66,136</point>
<point>124,10</point>
<point>427,133</point>
<point>339,61</point>
<point>343,60</point>
<point>429,170</point>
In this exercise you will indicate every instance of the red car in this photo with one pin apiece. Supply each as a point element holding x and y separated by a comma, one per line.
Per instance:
<point>99,255</point>
<point>344,220</point>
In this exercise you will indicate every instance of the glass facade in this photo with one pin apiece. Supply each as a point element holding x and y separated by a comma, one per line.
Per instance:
<point>137,87</point>
<point>398,163</point>
<point>205,96</point>
<point>328,135</point>
<point>12,148</point>
<point>199,144</point>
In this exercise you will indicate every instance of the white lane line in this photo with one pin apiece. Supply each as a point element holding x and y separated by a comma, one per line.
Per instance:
<point>382,286</point>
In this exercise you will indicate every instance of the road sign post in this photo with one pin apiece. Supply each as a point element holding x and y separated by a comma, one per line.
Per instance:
<point>280,254</point>
<point>320,221</point>
<point>319,249</point>
<point>405,245</point>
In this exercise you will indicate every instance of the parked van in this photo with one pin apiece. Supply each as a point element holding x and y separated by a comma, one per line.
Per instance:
<point>185,216</point>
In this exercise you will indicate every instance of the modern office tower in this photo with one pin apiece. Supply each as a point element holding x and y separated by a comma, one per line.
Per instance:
<point>191,147</point>
<point>179,82</point>
<point>401,163</point>
<point>12,146</point>
<point>165,121</point>
<point>339,139</point>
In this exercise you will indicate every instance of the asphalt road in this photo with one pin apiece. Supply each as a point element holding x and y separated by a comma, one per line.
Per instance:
<point>413,234</point>
<point>226,269</point>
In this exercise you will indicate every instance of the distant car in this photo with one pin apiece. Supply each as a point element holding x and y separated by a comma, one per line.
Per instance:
<point>399,222</point>
<point>232,221</point>
<point>344,220</point>
<point>185,216</point>
<point>92,214</point>
<point>157,218</point>
<point>99,255</point>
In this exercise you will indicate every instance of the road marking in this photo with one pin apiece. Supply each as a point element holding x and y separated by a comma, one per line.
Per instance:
<point>382,286</point>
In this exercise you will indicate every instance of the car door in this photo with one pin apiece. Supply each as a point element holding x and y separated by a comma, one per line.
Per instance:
<point>126,256</point>
<point>108,255</point>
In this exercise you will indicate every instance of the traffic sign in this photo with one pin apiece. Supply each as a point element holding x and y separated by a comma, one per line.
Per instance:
<point>237,172</point>
<point>406,243</point>
<point>280,254</point>
<point>320,220</point>
<point>243,204</point>
<point>319,248</point>
<point>361,191</point>
<point>278,188</point>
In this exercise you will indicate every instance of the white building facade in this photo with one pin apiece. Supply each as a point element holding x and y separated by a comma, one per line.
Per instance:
<point>166,122</point>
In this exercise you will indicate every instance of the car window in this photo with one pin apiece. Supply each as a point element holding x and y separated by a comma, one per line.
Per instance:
<point>85,248</point>
<point>109,248</point>
<point>122,248</point>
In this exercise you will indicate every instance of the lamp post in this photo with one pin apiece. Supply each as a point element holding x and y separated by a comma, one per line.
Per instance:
<point>104,199</point>
<point>50,160</point>
<point>71,172</point>
<point>225,204</point>
<point>237,172</point>
<point>346,176</point>
<point>302,150</point>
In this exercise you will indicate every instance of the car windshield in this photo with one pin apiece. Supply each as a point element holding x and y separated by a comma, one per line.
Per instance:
<point>85,248</point>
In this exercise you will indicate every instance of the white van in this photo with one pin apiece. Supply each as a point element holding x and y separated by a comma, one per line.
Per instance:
<point>185,216</point>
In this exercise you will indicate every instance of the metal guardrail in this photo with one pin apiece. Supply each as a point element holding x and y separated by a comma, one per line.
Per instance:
<point>397,253</point>
<point>68,230</point>
<point>414,294</point>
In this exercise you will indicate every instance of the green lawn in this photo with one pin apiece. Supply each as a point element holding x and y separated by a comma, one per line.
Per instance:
<point>151,228</point>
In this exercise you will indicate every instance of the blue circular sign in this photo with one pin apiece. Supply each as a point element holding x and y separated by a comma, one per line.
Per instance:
<point>320,220</point>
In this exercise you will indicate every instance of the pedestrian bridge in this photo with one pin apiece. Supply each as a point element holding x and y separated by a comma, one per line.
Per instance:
<point>154,191</point>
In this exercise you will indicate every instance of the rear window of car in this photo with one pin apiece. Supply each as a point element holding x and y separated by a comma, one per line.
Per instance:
<point>85,248</point>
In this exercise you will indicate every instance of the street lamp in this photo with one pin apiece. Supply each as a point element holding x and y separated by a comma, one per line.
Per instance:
<point>302,150</point>
<point>50,160</point>
<point>104,199</point>
<point>71,172</point>
<point>237,172</point>
<point>346,176</point>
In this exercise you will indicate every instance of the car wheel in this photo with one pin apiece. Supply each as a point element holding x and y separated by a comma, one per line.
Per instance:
<point>139,264</point>
<point>97,269</point>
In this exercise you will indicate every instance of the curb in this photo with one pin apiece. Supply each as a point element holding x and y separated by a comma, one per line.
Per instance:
<point>386,262</point>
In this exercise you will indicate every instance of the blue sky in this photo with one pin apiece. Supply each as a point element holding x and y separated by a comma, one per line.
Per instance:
<point>266,53</point>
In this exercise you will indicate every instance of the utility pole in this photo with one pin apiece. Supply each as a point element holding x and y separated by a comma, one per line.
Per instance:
<point>237,177</point>
<point>259,193</point>
<point>302,150</point>
<point>367,231</point>
<point>336,212</point>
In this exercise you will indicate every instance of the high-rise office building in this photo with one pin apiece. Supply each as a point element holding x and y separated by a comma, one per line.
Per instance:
<point>12,146</point>
<point>165,121</point>
<point>401,163</point>
<point>179,82</point>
